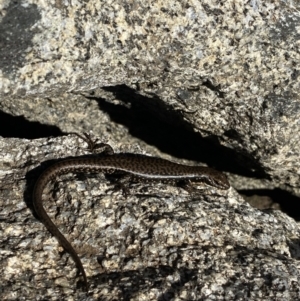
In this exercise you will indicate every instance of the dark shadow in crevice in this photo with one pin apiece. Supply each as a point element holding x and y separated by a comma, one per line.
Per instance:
<point>19,127</point>
<point>289,203</point>
<point>294,244</point>
<point>152,121</point>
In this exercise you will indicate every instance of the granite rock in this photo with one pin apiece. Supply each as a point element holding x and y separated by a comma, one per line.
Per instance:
<point>209,81</point>
<point>157,243</point>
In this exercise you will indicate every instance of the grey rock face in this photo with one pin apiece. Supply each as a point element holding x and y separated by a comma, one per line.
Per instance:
<point>213,82</point>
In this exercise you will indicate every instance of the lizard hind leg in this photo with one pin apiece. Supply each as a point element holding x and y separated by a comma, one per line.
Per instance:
<point>94,146</point>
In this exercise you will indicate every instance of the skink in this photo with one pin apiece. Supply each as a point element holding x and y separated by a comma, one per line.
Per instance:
<point>138,167</point>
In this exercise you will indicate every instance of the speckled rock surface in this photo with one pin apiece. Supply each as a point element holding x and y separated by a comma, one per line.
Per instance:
<point>225,71</point>
<point>228,68</point>
<point>158,243</point>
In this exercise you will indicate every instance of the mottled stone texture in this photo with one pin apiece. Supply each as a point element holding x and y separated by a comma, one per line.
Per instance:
<point>223,73</point>
<point>158,242</point>
<point>233,64</point>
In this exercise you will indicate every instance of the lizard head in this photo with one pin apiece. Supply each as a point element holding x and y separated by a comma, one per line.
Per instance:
<point>218,180</point>
<point>213,178</point>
